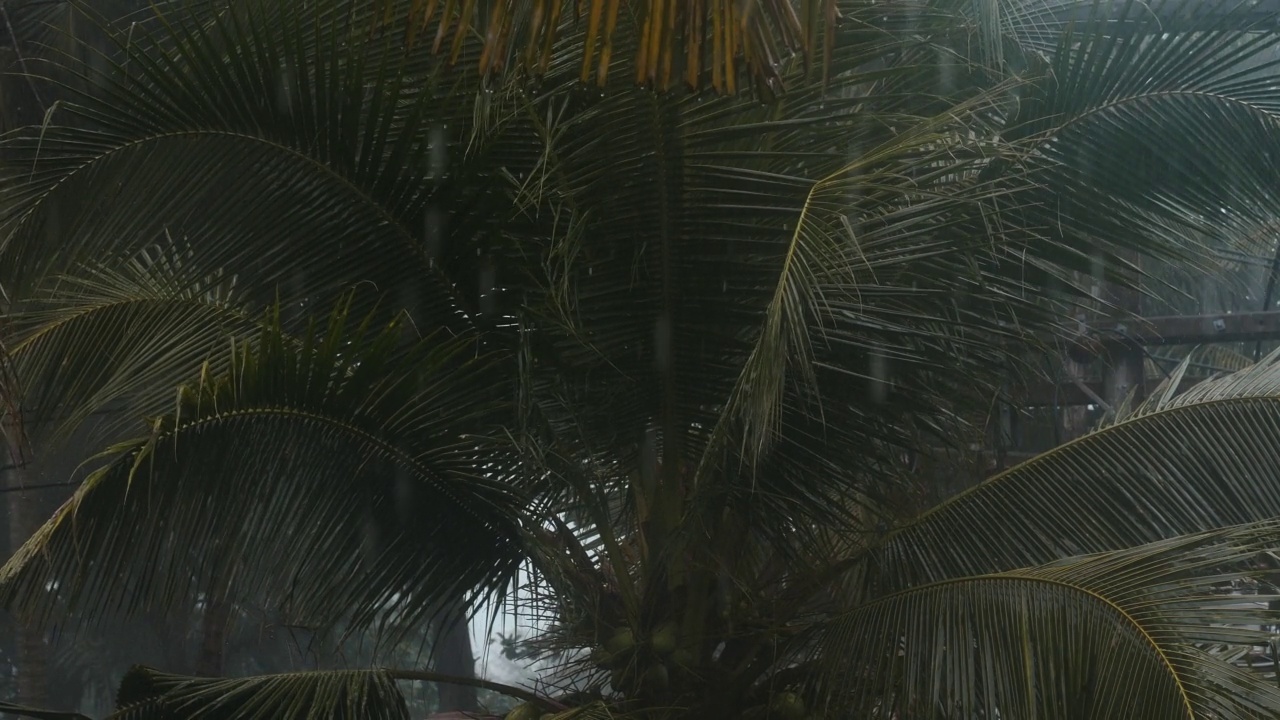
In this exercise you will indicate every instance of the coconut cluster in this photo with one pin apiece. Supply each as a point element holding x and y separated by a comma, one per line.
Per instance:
<point>643,666</point>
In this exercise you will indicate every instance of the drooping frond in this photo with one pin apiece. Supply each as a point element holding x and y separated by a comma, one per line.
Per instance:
<point>288,182</point>
<point>861,231</point>
<point>131,331</point>
<point>147,694</point>
<point>38,713</point>
<point>1135,635</point>
<point>327,476</point>
<point>197,145</point>
<point>1197,461</point>
<point>1127,119</point>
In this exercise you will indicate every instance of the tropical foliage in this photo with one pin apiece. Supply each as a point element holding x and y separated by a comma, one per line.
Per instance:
<point>380,334</point>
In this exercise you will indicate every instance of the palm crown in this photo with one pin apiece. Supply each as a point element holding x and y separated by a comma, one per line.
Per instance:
<point>400,327</point>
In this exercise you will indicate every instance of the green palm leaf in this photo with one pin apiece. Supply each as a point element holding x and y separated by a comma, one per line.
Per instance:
<point>1128,118</point>
<point>131,332</point>
<point>1188,464</point>
<point>327,475</point>
<point>1117,635</point>
<point>200,175</point>
<point>147,694</point>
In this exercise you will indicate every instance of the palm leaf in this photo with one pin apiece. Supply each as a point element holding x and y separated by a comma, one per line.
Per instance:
<point>1183,464</point>
<point>1129,114</point>
<point>357,208</point>
<point>641,328</point>
<point>147,694</point>
<point>37,713</point>
<point>1118,635</point>
<point>149,316</point>
<point>325,476</point>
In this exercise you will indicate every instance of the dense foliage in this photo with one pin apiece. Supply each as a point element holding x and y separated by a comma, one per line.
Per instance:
<point>380,333</point>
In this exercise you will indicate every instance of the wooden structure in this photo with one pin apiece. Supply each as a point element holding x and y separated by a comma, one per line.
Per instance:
<point>1123,345</point>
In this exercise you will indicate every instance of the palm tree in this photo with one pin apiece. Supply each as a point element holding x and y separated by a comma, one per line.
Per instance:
<point>405,332</point>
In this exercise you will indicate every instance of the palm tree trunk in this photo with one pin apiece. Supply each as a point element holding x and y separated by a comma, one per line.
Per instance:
<point>25,517</point>
<point>451,654</point>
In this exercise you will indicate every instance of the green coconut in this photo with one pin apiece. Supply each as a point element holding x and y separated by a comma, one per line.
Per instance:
<point>622,641</point>
<point>683,658</point>
<point>663,641</point>
<point>656,678</point>
<point>602,657</point>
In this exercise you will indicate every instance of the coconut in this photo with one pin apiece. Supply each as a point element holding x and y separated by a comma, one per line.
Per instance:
<point>656,678</point>
<point>623,641</point>
<point>787,706</point>
<point>600,656</point>
<point>663,641</point>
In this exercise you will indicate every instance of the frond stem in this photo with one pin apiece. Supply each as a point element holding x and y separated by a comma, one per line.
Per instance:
<point>508,690</point>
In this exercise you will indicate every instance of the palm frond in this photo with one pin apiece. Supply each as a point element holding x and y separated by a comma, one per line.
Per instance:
<point>642,327</point>
<point>1127,119</point>
<point>147,694</point>
<point>1119,635</point>
<point>163,141</point>
<point>855,235</point>
<point>326,476</point>
<point>1261,379</point>
<point>131,332</point>
<point>1187,463</point>
<point>360,206</point>
<point>37,713</point>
